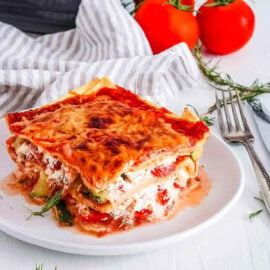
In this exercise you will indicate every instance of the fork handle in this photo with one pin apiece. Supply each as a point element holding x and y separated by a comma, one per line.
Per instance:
<point>261,173</point>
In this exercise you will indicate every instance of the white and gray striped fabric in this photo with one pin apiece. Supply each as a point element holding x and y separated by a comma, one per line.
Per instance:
<point>106,42</point>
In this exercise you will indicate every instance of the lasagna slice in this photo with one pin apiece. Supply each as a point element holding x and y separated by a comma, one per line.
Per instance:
<point>116,160</point>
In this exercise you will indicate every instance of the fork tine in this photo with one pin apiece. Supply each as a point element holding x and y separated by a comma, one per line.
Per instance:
<point>235,116</point>
<point>242,112</point>
<point>228,117</point>
<point>220,117</point>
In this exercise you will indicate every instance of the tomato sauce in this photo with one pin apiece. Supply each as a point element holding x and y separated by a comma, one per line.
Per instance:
<point>195,197</point>
<point>12,187</point>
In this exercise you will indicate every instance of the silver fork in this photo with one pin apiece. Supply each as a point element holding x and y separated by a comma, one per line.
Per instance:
<point>235,129</point>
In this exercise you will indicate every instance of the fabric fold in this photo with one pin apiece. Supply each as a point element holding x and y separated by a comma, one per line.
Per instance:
<point>107,41</point>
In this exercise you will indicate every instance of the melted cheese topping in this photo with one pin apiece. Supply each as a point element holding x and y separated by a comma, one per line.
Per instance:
<point>104,134</point>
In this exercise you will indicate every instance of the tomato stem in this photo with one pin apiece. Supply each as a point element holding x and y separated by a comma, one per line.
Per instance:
<point>218,3</point>
<point>177,4</point>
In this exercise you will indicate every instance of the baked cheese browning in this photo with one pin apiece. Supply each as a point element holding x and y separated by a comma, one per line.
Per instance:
<point>104,134</point>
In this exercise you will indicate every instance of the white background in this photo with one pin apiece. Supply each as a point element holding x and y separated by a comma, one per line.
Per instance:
<point>232,243</point>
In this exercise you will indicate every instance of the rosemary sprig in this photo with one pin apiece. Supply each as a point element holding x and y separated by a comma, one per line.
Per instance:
<point>254,214</point>
<point>209,121</point>
<point>223,83</point>
<point>50,203</point>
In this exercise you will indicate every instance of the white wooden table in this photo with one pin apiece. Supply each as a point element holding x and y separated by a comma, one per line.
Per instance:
<point>232,243</point>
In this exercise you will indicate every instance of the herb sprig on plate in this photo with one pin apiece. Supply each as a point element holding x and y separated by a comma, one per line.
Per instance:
<point>50,203</point>
<point>209,121</point>
<point>254,214</point>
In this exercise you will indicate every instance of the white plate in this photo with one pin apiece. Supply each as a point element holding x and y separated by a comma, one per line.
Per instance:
<point>222,167</point>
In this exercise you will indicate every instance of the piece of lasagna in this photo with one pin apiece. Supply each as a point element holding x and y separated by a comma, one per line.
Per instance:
<point>105,158</point>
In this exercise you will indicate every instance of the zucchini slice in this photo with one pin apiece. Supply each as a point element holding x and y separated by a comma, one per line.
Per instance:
<point>41,188</point>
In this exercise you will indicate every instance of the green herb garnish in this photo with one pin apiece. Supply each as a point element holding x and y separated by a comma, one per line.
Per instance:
<point>224,83</point>
<point>254,214</point>
<point>209,121</point>
<point>50,203</point>
<point>63,214</point>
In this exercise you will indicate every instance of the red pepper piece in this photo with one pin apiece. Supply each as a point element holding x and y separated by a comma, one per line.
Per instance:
<point>162,196</point>
<point>96,217</point>
<point>142,215</point>
<point>176,185</point>
<point>161,171</point>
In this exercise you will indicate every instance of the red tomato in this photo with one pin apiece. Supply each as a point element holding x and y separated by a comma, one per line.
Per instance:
<point>225,29</point>
<point>164,25</point>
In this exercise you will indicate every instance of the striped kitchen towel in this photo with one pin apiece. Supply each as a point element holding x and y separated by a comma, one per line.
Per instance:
<point>106,42</point>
